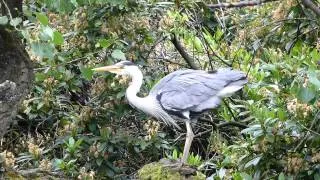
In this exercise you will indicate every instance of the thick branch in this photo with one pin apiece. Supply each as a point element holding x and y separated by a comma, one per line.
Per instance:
<point>232,123</point>
<point>184,54</point>
<point>238,4</point>
<point>310,5</point>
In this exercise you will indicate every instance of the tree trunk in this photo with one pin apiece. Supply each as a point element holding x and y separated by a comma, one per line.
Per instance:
<point>16,71</point>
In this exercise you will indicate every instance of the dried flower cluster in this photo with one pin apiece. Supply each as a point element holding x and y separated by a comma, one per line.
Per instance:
<point>78,41</point>
<point>297,108</point>
<point>294,165</point>
<point>98,86</point>
<point>167,21</point>
<point>50,81</point>
<point>34,150</point>
<point>7,159</point>
<point>283,9</point>
<point>86,113</point>
<point>67,128</point>
<point>94,150</point>
<point>45,165</point>
<point>152,128</point>
<point>86,175</point>
<point>318,44</point>
<point>81,21</point>
<point>316,157</point>
<point>123,80</point>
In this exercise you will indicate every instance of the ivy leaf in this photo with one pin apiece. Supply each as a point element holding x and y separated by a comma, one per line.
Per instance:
<point>105,43</point>
<point>253,162</point>
<point>87,73</point>
<point>71,141</point>
<point>245,176</point>
<point>15,21</point>
<point>47,33</point>
<point>3,20</point>
<point>118,54</point>
<point>306,94</point>
<point>57,38</point>
<point>44,50</point>
<point>314,79</point>
<point>281,176</point>
<point>197,44</point>
<point>43,19</point>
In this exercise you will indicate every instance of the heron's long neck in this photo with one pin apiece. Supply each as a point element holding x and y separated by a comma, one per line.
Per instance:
<point>134,88</point>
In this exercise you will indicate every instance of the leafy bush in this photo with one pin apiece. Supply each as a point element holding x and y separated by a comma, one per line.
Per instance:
<point>77,124</point>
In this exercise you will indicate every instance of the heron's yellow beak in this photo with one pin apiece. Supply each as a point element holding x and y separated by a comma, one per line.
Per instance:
<point>113,69</point>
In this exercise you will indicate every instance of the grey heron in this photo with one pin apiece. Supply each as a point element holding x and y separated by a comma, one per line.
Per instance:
<point>184,93</point>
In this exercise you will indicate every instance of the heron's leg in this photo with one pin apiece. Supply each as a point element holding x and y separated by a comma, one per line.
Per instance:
<point>188,142</point>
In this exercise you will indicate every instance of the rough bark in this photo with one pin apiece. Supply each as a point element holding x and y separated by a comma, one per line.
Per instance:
<point>314,7</point>
<point>16,71</point>
<point>189,60</point>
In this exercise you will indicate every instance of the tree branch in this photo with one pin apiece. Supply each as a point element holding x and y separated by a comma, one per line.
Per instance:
<point>310,5</point>
<point>238,4</point>
<point>183,53</point>
<point>224,124</point>
<point>232,123</point>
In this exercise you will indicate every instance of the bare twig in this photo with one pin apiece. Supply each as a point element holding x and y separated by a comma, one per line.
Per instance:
<point>224,124</point>
<point>183,53</point>
<point>239,4</point>
<point>203,133</point>
<point>214,53</point>
<point>314,121</point>
<point>310,5</point>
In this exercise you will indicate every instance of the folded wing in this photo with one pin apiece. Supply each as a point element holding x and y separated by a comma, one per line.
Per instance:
<point>186,91</point>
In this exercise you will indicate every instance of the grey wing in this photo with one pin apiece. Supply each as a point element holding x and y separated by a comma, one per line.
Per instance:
<point>196,90</point>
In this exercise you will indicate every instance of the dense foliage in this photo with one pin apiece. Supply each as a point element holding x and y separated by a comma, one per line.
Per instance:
<point>76,123</point>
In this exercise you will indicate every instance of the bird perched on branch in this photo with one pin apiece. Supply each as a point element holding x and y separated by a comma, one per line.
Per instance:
<point>184,93</point>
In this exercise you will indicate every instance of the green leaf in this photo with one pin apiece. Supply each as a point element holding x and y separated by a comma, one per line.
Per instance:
<point>218,34</point>
<point>71,141</point>
<point>87,73</point>
<point>253,162</point>
<point>57,38</point>
<point>118,54</point>
<point>306,94</point>
<point>15,21</point>
<point>105,43</point>
<point>316,176</point>
<point>74,2</point>
<point>44,50</point>
<point>99,161</point>
<point>40,105</point>
<point>3,20</point>
<point>47,31</point>
<point>313,78</point>
<point>245,176</point>
<point>197,44</point>
<point>281,176</point>
<point>175,154</point>
<point>43,19</point>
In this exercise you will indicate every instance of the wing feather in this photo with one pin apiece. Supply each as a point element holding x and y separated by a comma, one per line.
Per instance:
<point>196,90</point>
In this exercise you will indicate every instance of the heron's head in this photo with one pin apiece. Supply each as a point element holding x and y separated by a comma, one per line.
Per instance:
<point>122,68</point>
